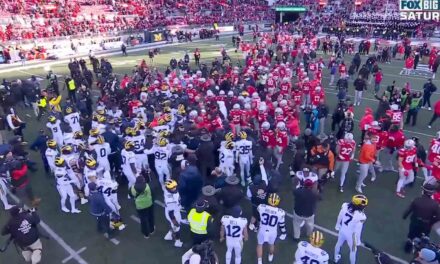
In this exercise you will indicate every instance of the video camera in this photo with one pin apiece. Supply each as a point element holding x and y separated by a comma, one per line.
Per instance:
<point>206,252</point>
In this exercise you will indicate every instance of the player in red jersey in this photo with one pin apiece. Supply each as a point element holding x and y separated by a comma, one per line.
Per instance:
<point>267,136</point>
<point>285,86</point>
<point>235,119</point>
<point>306,92</point>
<point>407,163</point>
<point>395,141</point>
<point>316,95</point>
<point>396,115</point>
<point>433,156</point>
<point>345,150</point>
<point>279,115</point>
<point>282,140</point>
<point>342,70</point>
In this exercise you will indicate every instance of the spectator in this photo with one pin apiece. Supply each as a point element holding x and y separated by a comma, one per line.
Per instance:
<point>359,85</point>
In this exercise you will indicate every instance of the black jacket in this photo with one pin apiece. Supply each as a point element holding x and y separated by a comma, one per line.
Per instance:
<point>23,228</point>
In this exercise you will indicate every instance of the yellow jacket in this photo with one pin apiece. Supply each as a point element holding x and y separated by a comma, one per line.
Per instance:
<point>54,104</point>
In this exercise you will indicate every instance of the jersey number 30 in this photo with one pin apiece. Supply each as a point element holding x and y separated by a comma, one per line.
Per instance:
<point>308,260</point>
<point>270,220</point>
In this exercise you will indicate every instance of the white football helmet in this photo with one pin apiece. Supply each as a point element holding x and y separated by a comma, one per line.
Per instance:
<point>348,136</point>
<point>409,143</point>
<point>255,95</point>
<point>230,93</point>
<point>221,92</point>
<point>394,107</point>
<point>278,111</point>
<point>281,125</point>
<point>236,106</point>
<point>247,106</point>
<point>265,125</point>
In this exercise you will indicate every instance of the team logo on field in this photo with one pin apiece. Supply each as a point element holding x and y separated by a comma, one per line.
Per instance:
<point>419,10</point>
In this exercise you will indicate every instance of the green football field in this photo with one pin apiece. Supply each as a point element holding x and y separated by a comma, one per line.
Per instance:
<point>74,237</point>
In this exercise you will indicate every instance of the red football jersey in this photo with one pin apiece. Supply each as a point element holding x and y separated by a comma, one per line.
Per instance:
<point>268,138</point>
<point>262,117</point>
<point>396,117</point>
<point>271,82</point>
<point>346,149</point>
<point>409,157</point>
<point>281,138</point>
<point>434,150</point>
<point>235,115</point>
<point>297,96</point>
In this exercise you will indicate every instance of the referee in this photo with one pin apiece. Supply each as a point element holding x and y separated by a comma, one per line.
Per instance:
<point>424,213</point>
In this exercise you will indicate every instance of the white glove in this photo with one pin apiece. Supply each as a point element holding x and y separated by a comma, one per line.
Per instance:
<point>337,227</point>
<point>283,237</point>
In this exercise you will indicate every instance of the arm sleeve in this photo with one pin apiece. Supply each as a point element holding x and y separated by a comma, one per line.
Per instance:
<point>264,174</point>
<point>282,224</point>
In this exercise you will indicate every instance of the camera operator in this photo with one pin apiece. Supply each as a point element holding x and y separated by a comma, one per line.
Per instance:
<point>201,254</point>
<point>424,213</point>
<point>23,231</point>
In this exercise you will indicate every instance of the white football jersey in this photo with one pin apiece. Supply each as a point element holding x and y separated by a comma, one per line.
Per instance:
<point>161,154</point>
<point>270,218</point>
<point>306,253</point>
<point>114,114</point>
<point>61,176</point>
<point>350,221</point>
<point>102,151</point>
<point>139,143</point>
<point>51,155</point>
<point>73,121</point>
<point>88,174</point>
<point>158,129</point>
<point>234,227</point>
<point>172,202</point>
<point>244,149</point>
<point>68,138</point>
<point>55,128</point>
<point>106,186</point>
<point>226,156</point>
<point>128,157</point>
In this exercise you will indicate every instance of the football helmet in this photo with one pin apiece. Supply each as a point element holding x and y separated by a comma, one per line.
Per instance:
<point>409,143</point>
<point>317,239</point>
<point>66,149</point>
<point>78,135</point>
<point>51,144</point>
<point>229,145</point>
<point>359,200</point>
<point>129,146</point>
<point>94,132</point>
<point>348,136</point>
<point>52,119</point>
<point>274,199</point>
<point>229,136</point>
<point>243,135</point>
<point>59,161</point>
<point>69,110</point>
<point>162,142</point>
<point>171,185</point>
<point>91,163</point>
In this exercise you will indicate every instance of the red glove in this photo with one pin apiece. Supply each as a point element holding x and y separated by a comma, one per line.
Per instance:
<point>405,173</point>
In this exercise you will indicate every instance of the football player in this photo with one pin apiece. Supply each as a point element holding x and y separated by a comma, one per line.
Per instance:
<point>433,154</point>
<point>350,222</point>
<point>172,212</point>
<point>271,218</point>
<point>102,150</point>
<point>129,163</point>
<point>72,118</point>
<point>54,126</point>
<point>51,153</point>
<point>162,153</point>
<point>311,253</point>
<point>226,158</point>
<point>64,186</point>
<point>109,189</point>
<point>244,156</point>
<point>282,140</point>
<point>303,175</point>
<point>345,150</point>
<point>407,163</point>
<point>235,230</point>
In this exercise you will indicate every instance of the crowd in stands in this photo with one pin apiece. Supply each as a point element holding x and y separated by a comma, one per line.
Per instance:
<point>41,19</point>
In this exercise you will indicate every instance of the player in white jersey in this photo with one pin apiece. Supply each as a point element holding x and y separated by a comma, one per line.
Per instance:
<point>64,186</point>
<point>311,253</point>
<point>226,158</point>
<point>350,222</point>
<point>129,163</point>
<point>244,156</point>
<point>234,227</point>
<point>51,153</point>
<point>68,136</point>
<point>109,189</point>
<point>161,155</point>
<point>54,126</point>
<point>271,218</point>
<point>139,146</point>
<point>115,112</point>
<point>90,173</point>
<point>172,212</point>
<point>78,138</point>
<point>102,150</point>
<point>93,134</point>
<point>71,160</point>
<point>72,118</point>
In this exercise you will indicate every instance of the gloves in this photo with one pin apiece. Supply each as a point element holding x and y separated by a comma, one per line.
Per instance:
<point>283,237</point>
<point>337,227</point>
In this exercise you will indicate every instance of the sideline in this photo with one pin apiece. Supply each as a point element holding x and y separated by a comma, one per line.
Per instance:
<point>73,254</point>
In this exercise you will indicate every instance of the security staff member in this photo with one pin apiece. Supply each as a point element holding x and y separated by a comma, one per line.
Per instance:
<point>424,213</point>
<point>42,104</point>
<point>71,88</point>
<point>22,228</point>
<point>306,201</point>
<point>200,222</point>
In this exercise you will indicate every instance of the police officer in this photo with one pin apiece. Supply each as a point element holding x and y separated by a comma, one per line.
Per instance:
<point>424,213</point>
<point>200,222</point>
<point>22,229</point>
<point>71,88</point>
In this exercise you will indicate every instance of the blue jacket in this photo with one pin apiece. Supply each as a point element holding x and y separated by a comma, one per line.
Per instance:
<point>98,206</point>
<point>190,185</point>
<point>40,144</point>
<point>112,139</point>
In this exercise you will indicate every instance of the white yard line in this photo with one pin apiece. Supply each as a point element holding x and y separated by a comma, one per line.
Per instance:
<point>70,257</point>
<point>323,229</point>
<point>73,254</point>
<point>113,240</point>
